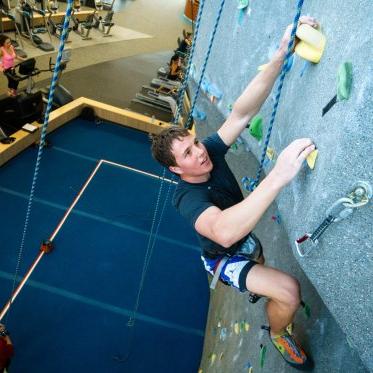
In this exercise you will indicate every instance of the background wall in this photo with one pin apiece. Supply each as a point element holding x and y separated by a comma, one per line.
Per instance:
<point>340,267</point>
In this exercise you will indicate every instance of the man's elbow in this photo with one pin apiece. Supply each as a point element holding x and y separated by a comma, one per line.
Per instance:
<point>224,238</point>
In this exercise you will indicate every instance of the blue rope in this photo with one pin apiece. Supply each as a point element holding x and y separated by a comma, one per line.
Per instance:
<point>182,90</point>
<point>42,138</point>
<point>189,121</point>
<point>151,242</point>
<point>254,183</point>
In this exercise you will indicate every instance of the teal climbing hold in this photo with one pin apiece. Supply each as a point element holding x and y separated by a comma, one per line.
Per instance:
<point>306,309</point>
<point>205,85</point>
<point>344,81</point>
<point>256,127</point>
<point>262,355</point>
<point>214,91</point>
<point>199,115</point>
<point>242,4</point>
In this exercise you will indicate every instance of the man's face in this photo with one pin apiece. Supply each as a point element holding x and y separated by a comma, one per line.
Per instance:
<point>191,157</point>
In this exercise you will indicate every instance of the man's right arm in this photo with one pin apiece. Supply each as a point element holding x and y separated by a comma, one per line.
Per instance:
<point>228,226</point>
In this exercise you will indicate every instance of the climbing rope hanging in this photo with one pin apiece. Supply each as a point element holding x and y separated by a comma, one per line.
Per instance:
<point>284,70</point>
<point>189,121</point>
<point>151,242</point>
<point>53,84</point>
<point>148,254</point>
<point>184,85</point>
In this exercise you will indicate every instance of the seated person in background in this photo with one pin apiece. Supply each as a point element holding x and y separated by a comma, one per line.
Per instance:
<point>8,56</point>
<point>175,67</point>
<point>186,43</point>
<point>6,349</point>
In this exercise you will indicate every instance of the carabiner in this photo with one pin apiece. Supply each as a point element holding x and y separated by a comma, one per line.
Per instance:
<point>300,241</point>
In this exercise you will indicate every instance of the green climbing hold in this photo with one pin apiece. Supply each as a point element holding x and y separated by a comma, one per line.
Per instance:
<point>306,309</point>
<point>230,107</point>
<point>344,81</point>
<point>256,127</point>
<point>234,146</point>
<point>242,4</point>
<point>262,355</point>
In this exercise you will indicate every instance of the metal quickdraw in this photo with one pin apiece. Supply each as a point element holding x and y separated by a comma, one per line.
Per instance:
<point>341,209</point>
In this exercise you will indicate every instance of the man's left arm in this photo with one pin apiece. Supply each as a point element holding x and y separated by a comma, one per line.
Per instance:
<point>257,91</point>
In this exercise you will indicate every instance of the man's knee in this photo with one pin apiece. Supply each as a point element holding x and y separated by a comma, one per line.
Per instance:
<point>289,292</point>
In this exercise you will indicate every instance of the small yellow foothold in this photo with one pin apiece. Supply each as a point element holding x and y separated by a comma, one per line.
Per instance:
<point>250,370</point>
<point>237,328</point>
<point>221,355</point>
<point>213,358</point>
<point>247,326</point>
<point>200,371</point>
<point>270,153</point>
<point>311,159</point>
<point>289,328</point>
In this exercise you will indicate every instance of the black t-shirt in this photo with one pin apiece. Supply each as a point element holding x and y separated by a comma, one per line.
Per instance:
<point>221,190</point>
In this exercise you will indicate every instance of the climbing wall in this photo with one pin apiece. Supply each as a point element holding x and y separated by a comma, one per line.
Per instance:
<point>340,265</point>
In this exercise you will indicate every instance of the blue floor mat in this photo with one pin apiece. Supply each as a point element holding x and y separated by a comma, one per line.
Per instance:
<point>76,306</point>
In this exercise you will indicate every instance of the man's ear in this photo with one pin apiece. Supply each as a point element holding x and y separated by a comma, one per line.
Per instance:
<point>175,170</point>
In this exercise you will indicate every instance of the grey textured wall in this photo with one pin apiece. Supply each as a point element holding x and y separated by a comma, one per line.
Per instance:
<point>340,267</point>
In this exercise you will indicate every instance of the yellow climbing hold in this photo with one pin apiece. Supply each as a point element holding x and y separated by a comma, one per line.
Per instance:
<point>213,358</point>
<point>289,328</point>
<point>311,159</point>
<point>200,371</point>
<point>237,328</point>
<point>311,36</point>
<point>247,326</point>
<point>250,370</point>
<point>221,355</point>
<point>270,153</point>
<point>312,43</point>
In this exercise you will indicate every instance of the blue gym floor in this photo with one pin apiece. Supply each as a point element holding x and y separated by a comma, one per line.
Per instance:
<point>72,314</point>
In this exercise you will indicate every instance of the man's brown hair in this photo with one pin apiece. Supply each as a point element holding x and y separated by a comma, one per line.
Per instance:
<point>162,145</point>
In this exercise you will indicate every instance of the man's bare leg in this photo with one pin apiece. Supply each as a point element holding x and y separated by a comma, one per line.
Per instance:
<point>282,290</point>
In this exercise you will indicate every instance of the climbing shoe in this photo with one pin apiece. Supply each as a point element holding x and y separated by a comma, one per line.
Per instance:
<point>291,351</point>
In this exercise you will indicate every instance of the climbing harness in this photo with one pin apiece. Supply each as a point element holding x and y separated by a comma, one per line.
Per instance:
<point>254,183</point>
<point>53,84</point>
<point>252,249</point>
<point>359,196</point>
<point>189,121</point>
